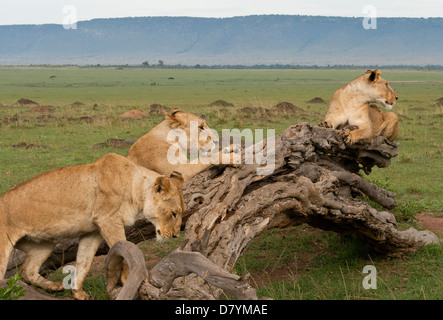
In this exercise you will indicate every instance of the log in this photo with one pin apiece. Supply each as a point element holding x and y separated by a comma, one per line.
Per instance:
<point>181,263</point>
<point>128,252</point>
<point>316,180</point>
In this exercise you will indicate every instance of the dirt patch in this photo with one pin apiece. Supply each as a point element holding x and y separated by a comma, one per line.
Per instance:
<point>40,109</point>
<point>26,101</point>
<point>114,144</point>
<point>435,224</point>
<point>286,108</point>
<point>256,111</point>
<point>12,119</point>
<point>24,145</point>
<point>158,109</point>
<point>77,104</point>
<point>278,109</point>
<point>221,103</point>
<point>81,119</point>
<point>98,266</point>
<point>134,114</point>
<point>317,100</point>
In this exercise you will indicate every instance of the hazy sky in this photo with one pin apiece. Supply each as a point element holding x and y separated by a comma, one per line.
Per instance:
<point>52,11</point>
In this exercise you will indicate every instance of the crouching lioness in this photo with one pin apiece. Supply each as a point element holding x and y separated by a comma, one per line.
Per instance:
<point>350,105</point>
<point>94,202</point>
<point>152,150</point>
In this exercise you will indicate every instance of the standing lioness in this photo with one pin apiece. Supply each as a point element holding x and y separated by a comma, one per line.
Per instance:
<point>92,201</point>
<point>350,105</point>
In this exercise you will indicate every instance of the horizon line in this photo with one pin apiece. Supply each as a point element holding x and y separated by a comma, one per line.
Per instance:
<point>220,18</point>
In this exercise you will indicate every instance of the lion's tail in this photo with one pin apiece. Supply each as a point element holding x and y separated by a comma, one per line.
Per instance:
<point>5,251</point>
<point>6,245</point>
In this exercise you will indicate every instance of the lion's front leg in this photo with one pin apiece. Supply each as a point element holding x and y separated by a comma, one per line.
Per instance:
<point>325,124</point>
<point>112,232</point>
<point>363,133</point>
<point>87,248</point>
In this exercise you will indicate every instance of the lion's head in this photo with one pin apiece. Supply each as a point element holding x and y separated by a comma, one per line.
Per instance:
<point>207,138</point>
<point>379,89</point>
<point>170,206</point>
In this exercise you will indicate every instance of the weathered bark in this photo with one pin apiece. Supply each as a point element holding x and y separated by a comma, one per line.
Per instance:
<point>316,181</point>
<point>129,252</point>
<point>183,263</point>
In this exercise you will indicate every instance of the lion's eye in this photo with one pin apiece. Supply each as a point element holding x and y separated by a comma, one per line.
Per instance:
<point>174,215</point>
<point>201,127</point>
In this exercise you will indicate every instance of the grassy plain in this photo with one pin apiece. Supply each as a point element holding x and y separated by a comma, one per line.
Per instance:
<point>298,263</point>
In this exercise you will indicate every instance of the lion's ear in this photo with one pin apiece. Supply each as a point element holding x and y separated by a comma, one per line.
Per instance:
<point>177,176</point>
<point>174,120</point>
<point>175,111</point>
<point>162,186</point>
<point>374,75</point>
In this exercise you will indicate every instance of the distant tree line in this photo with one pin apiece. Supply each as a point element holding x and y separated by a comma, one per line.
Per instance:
<point>162,65</point>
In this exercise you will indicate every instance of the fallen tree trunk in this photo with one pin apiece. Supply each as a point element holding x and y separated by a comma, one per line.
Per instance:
<point>128,251</point>
<point>315,180</point>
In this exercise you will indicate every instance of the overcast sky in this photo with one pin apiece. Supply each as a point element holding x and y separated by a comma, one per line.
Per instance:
<point>55,11</point>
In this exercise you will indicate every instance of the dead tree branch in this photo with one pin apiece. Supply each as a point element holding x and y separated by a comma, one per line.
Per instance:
<point>316,180</point>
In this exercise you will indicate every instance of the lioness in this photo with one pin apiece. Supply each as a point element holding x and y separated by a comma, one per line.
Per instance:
<point>350,105</point>
<point>151,150</point>
<point>94,202</point>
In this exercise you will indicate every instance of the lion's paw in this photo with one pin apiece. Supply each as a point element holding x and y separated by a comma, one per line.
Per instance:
<point>324,124</point>
<point>80,295</point>
<point>347,137</point>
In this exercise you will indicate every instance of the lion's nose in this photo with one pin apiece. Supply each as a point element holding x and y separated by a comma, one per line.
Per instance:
<point>396,97</point>
<point>174,236</point>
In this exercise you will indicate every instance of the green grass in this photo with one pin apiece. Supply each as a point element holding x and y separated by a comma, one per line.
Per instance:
<point>94,286</point>
<point>301,263</point>
<point>320,265</point>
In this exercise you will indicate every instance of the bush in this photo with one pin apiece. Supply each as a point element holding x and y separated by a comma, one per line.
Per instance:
<point>12,291</point>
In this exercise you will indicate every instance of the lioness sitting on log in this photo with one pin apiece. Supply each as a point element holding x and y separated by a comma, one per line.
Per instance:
<point>151,150</point>
<point>350,105</point>
<point>94,202</point>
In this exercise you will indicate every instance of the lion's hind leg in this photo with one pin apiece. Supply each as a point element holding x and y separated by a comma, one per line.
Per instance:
<point>390,122</point>
<point>6,248</point>
<point>36,255</point>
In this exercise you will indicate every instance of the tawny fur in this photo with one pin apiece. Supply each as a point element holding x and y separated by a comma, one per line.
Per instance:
<point>150,151</point>
<point>350,105</point>
<point>94,202</point>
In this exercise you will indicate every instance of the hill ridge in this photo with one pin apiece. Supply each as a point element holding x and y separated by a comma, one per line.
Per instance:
<point>248,40</point>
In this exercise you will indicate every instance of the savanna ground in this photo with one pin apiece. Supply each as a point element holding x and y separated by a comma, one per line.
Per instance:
<point>69,113</point>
